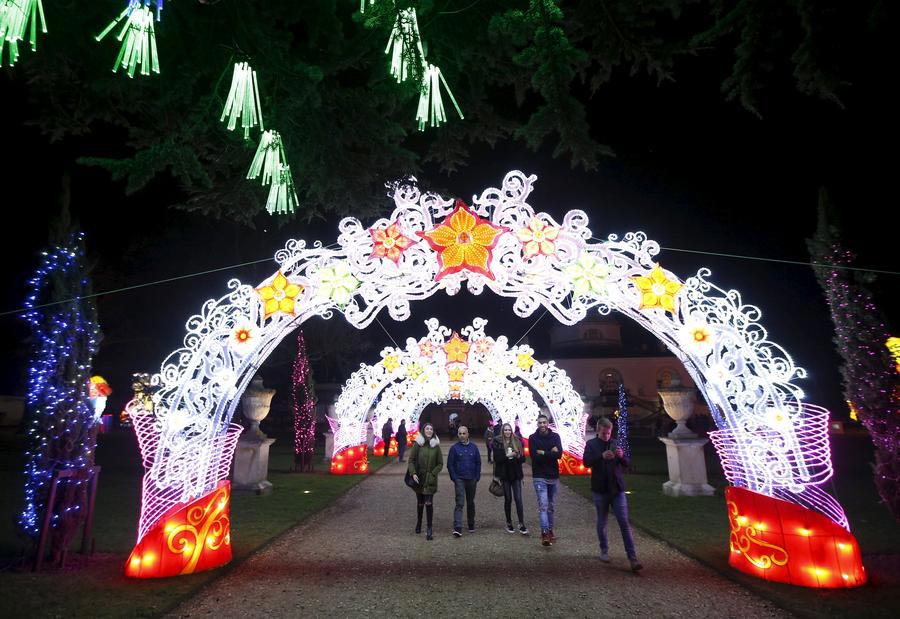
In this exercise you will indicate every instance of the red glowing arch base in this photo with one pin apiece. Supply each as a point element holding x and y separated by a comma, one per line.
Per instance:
<point>350,461</point>
<point>187,539</point>
<point>784,542</point>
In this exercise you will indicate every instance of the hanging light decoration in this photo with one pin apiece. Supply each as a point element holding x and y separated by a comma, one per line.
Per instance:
<point>243,100</point>
<point>405,45</point>
<point>282,197</point>
<point>431,105</point>
<point>268,158</point>
<point>15,18</point>
<point>138,38</point>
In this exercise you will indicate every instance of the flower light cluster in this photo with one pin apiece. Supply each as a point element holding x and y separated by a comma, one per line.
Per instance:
<point>719,338</point>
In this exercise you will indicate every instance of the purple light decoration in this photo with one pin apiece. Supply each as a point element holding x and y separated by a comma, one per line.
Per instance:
<point>869,380</point>
<point>62,429</point>
<point>304,408</point>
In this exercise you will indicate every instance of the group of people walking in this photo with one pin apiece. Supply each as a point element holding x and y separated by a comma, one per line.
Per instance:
<point>606,460</point>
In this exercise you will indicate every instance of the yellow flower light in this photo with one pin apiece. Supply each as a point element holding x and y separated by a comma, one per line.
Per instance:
<point>524,361</point>
<point>279,295</point>
<point>389,243</point>
<point>464,242</point>
<point>657,290</point>
<point>414,370</point>
<point>456,374</point>
<point>391,363</point>
<point>457,349</point>
<point>538,238</point>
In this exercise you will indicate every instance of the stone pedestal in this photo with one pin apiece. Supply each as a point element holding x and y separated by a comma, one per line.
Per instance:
<point>329,447</point>
<point>687,467</point>
<point>684,449</point>
<point>251,464</point>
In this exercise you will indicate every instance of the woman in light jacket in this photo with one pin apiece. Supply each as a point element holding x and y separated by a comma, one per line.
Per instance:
<point>425,462</point>
<point>508,459</point>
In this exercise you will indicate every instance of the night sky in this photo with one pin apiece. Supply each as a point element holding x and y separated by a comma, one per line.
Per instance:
<point>692,171</point>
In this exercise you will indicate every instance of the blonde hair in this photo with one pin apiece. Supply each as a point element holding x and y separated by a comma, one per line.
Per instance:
<point>513,439</point>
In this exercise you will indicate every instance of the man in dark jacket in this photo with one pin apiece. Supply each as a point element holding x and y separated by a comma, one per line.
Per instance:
<point>386,431</point>
<point>464,466</point>
<point>546,450</point>
<point>607,461</point>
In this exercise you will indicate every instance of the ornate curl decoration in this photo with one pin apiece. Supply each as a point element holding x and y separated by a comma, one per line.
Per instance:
<point>743,376</point>
<point>744,538</point>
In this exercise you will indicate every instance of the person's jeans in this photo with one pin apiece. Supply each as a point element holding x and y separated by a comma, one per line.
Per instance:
<point>465,490</point>
<point>545,489</point>
<point>620,508</point>
<point>513,490</point>
<point>401,449</point>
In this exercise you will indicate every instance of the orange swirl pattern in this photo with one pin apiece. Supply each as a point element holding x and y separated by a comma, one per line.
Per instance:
<point>572,465</point>
<point>744,537</point>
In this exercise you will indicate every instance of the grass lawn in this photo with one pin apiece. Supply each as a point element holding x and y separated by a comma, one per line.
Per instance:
<point>698,527</point>
<point>97,587</point>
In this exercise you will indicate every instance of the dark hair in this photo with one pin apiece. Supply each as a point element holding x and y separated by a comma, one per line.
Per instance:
<point>544,416</point>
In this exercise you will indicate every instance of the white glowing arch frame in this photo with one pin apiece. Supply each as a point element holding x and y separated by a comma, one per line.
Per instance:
<point>495,375</point>
<point>747,380</point>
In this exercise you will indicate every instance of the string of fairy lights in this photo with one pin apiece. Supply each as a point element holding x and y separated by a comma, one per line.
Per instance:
<point>135,29</point>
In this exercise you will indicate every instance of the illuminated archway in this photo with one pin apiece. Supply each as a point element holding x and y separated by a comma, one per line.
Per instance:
<point>473,367</point>
<point>774,447</point>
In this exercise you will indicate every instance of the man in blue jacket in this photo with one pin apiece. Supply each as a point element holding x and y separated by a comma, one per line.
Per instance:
<point>607,461</point>
<point>464,466</point>
<point>546,450</point>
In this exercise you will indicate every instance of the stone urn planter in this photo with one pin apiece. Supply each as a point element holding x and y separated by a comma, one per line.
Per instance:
<point>684,449</point>
<point>251,458</point>
<point>679,404</point>
<point>255,405</point>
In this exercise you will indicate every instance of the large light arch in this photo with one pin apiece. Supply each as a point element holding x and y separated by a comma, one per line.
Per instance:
<point>473,367</point>
<point>773,445</point>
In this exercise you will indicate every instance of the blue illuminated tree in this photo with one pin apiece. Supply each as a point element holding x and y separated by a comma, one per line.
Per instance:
<point>622,423</point>
<point>62,426</point>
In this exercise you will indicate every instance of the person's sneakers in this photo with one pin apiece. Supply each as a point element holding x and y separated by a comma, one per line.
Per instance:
<point>604,556</point>
<point>428,534</point>
<point>472,529</point>
<point>545,538</point>
<point>522,529</point>
<point>457,533</point>
<point>552,537</point>
<point>509,528</point>
<point>636,565</point>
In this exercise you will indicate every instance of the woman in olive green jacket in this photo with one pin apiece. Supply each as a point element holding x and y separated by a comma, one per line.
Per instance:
<point>425,462</point>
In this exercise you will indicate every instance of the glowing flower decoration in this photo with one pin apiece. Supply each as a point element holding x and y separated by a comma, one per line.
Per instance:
<point>414,370</point>
<point>463,242</point>
<point>697,337</point>
<point>389,243</point>
<point>279,295</point>
<point>484,345</point>
<point>588,275</point>
<point>657,290</point>
<point>244,336</point>
<point>524,361</point>
<point>778,418</point>
<point>457,349</point>
<point>456,374</point>
<point>426,348</point>
<point>538,238</point>
<point>391,363</point>
<point>337,282</point>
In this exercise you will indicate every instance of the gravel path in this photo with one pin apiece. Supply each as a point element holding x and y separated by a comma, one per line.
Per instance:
<point>361,557</point>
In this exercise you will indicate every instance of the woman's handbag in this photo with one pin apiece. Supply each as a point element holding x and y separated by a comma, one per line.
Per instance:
<point>409,481</point>
<point>496,488</point>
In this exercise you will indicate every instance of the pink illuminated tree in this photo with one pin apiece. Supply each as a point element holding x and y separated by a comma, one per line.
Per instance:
<point>304,405</point>
<point>870,381</point>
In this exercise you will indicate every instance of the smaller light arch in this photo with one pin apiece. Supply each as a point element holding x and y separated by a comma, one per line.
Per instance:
<point>469,366</point>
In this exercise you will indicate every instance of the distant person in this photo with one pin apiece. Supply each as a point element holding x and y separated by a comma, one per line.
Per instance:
<point>607,462</point>
<point>546,450</point>
<point>464,466</point>
<point>425,462</point>
<point>508,458</point>
<point>489,442</point>
<point>386,431</point>
<point>401,440</point>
